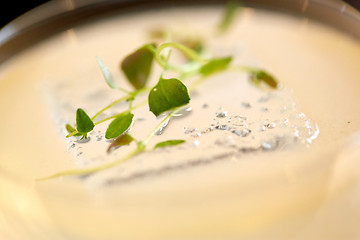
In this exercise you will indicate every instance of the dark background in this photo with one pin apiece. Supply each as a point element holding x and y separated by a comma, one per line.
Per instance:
<point>15,8</point>
<point>9,10</point>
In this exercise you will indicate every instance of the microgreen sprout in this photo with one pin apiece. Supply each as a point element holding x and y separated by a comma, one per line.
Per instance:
<point>228,16</point>
<point>169,143</point>
<point>167,96</point>
<point>122,140</point>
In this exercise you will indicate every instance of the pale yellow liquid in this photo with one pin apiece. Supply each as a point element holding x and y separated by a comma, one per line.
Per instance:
<point>312,193</point>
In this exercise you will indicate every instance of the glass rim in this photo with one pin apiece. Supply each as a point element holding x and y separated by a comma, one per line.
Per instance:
<point>56,16</point>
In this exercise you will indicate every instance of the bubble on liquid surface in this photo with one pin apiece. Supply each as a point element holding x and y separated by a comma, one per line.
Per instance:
<point>221,114</point>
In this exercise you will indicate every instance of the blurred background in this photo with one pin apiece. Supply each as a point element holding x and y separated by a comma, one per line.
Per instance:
<point>15,8</point>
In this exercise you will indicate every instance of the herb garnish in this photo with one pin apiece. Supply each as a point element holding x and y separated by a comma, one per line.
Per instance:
<point>168,143</point>
<point>119,125</point>
<point>83,123</point>
<point>228,16</point>
<point>215,65</point>
<point>168,95</point>
<point>122,140</point>
<point>137,66</point>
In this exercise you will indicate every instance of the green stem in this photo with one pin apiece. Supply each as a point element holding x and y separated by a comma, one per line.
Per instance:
<point>160,125</point>
<point>111,117</point>
<point>130,104</point>
<point>185,50</point>
<point>142,90</point>
<point>122,113</point>
<point>245,69</point>
<point>110,105</point>
<point>72,134</point>
<point>141,145</point>
<point>141,148</point>
<point>132,94</point>
<point>86,171</point>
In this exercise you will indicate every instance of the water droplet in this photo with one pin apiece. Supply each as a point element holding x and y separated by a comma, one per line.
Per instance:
<point>209,129</point>
<point>240,117</point>
<point>183,112</point>
<point>79,153</point>
<point>196,135</point>
<point>262,128</point>
<point>283,109</point>
<point>85,140</point>
<point>99,137</point>
<point>264,109</point>
<point>246,105</point>
<point>296,132</point>
<point>219,142</point>
<point>140,119</point>
<point>196,143</point>
<point>266,146</point>
<point>190,130</point>
<point>264,98</point>
<point>308,123</point>
<point>301,115</point>
<point>221,114</point>
<point>285,122</point>
<point>205,105</point>
<point>242,132</point>
<point>221,127</point>
<point>161,130</point>
<point>234,159</point>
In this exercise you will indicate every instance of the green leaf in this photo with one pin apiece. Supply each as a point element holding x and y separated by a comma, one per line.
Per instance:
<point>71,131</point>
<point>119,125</point>
<point>257,77</point>
<point>107,75</point>
<point>215,65</point>
<point>137,66</point>
<point>121,140</point>
<point>228,16</point>
<point>83,122</point>
<point>168,143</point>
<point>166,95</point>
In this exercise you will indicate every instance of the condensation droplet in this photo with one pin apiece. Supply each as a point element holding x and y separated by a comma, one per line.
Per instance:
<point>161,130</point>
<point>262,128</point>
<point>222,127</point>
<point>242,132</point>
<point>266,146</point>
<point>285,122</point>
<point>79,153</point>
<point>190,130</point>
<point>246,105</point>
<point>264,109</point>
<point>85,140</point>
<point>296,132</point>
<point>196,135</point>
<point>222,114</point>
